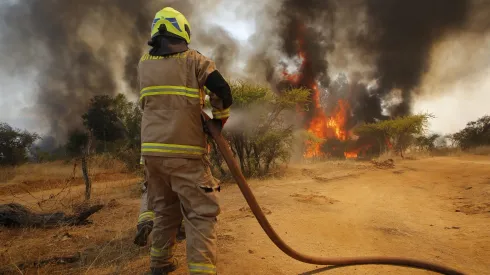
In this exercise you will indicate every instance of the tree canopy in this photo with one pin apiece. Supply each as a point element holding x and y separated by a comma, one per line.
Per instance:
<point>400,132</point>
<point>15,144</point>
<point>476,133</point>
<point>102,118</point>
<point>427,142</point>
<point>260,130</point>
<point>112,124</point>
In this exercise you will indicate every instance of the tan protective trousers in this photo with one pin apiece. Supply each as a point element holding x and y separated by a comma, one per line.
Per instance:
<point>183,188</point>
<point>145,214</point>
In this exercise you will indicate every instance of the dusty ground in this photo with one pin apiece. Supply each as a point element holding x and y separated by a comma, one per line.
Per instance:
<point>435,209</point>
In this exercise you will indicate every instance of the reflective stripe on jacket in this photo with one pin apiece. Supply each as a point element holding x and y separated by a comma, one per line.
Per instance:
<point>172,93</point>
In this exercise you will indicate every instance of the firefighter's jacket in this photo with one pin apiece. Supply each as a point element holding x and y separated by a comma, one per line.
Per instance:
<point>172,96</point>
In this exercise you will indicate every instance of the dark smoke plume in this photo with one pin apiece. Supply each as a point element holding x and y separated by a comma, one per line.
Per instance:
<point>300,32</point>
<point>76,46</point>
<point>405,33</point>
<point>83,48</point>
<point>394,37</point>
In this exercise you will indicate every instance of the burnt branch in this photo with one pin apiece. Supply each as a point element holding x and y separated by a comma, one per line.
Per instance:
<point>16,215</point>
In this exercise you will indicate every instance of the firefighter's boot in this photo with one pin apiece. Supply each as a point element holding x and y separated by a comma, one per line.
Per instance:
<point>143,231</point>
<point>164,270</point>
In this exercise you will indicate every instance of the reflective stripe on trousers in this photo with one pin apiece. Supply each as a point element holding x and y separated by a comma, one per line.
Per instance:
<point>199,268</point>
<point>172,148</point>
<point>164,253</point>
<point>146,216</point>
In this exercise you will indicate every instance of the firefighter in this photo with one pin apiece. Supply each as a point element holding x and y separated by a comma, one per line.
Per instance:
<point>145,218</point>
<point>174,81</point>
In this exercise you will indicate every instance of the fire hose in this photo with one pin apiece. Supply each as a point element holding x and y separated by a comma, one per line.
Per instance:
<point>223,147</point>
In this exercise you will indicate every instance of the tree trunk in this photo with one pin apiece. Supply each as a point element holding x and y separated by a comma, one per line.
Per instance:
<point>248,157</point>
<point>74,169</point>
<point>257,158</point>
<point>240,152</point>
<point>86,178</point>
<point>382,147</point>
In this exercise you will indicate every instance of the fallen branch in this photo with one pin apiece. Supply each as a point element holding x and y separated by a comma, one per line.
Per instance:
<point>16,215</point>
<point>387,164</point>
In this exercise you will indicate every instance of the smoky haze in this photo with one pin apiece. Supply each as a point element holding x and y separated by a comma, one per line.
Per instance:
<point>77,47</point>
<point>83,48</point>
<point>406,32</point>
<point>387,41</point>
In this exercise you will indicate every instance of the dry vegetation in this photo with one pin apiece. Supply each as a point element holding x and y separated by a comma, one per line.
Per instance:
<point>34,177</point>
<point>105,246</point>
<point>479,150</point>
<point>57,186</point>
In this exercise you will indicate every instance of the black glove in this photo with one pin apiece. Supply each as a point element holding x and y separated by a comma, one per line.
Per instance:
<point>217,123</point>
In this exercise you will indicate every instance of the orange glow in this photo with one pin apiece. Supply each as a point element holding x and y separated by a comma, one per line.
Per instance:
<point>388,144</point>
<point>350,155</point>
<point>291,77</point>
<point>321,125</point>
<point>356,152</point>
<point>324,126</point>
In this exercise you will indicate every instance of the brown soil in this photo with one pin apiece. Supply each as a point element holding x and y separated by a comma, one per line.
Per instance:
<point>435,209</point>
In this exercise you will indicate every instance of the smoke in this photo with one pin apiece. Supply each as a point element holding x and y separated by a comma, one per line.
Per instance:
<point>387,41</point>
<point>80,49</point>
<point>406,32</point>
<point>223,47</point>
<point>301,31</point>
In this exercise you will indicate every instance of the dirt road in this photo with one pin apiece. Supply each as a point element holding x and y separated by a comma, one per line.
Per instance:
<point>435,209</point>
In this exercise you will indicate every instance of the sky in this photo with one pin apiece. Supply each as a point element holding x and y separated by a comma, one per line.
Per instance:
<point>456,89</point>
<point>457,86</point>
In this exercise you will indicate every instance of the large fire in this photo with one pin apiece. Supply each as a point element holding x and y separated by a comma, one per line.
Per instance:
<point>326,126</point>
<point>322,125</point>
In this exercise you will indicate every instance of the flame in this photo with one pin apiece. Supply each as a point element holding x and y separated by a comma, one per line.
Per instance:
<point>356,152</point>
<point>350,155</point>
<point>324,126</point>
<point>388,144</point>
<point>321,125</point>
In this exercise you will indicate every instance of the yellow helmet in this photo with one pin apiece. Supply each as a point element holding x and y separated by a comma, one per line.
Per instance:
<point>173,22</point>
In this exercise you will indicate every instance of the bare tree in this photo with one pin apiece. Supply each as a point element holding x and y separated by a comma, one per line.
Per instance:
<point>84,156</point>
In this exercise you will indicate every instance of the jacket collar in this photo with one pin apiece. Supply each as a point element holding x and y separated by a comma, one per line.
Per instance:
<point>164,45</point>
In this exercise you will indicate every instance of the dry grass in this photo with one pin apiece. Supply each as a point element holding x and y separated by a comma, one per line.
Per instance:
<point>437,152</point>
<point>457,152</point>
<point>59,174</point>
<point>105,244</point>
<point>64,169</point>
<point>481,150</point>
<point>6,174</point>
<point>104,247</point>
